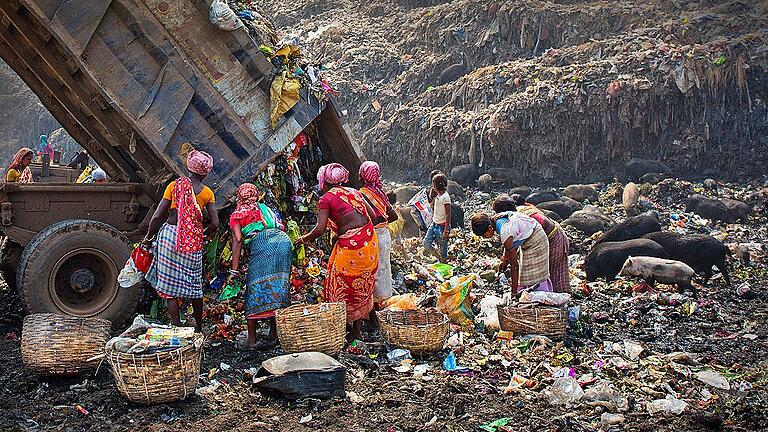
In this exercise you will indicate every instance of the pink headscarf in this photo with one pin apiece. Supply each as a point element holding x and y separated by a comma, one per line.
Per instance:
<point>247,202</point>
<point>199,162</point>
<point>370,173</point>
<point>333,173</point>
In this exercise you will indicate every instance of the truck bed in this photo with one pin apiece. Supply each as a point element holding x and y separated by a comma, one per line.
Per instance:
<point>133,80</point>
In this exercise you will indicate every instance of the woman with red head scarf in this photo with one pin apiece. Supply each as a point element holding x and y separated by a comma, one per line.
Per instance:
<point>18,170</point>
<point>373,192</point>
<point>355,257</point>
<point>269,266</point>
<point>178,223</point>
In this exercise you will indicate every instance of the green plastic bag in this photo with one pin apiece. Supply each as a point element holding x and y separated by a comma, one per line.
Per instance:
<point>231,290</point>
<point>445,270</point>
<point>494,425</point>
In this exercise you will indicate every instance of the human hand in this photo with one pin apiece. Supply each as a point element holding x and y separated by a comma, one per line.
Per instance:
<point>446,234</point>
<point>299,241</point>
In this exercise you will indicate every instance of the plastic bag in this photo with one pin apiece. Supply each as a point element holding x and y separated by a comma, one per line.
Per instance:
<point>564,391</point>
<point>142,258</point>
<point>401,302</point>
<point>669,405</point>
<point>444,270</point>
<point>545,298</point>
<point>489,314</point>
<point>455,300</point>
<point>129,275</point>
<point>223,17</point>
<point>420,202</point>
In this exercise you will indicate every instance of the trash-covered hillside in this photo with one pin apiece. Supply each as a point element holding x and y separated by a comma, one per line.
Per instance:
<point>555,90</point>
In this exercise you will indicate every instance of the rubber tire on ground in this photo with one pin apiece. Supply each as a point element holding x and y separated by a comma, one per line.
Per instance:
<point>48,246</point>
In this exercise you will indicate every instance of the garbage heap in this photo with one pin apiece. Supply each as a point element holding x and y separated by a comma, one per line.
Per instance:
<point>554,91</point>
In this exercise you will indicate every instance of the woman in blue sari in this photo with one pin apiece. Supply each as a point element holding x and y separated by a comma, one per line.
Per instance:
<point>259,228</point>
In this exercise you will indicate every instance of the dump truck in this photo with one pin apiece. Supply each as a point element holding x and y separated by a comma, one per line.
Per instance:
<point>132,81</point>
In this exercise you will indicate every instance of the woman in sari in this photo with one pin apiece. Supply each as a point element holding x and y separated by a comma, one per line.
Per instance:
<point>354,261</point>
<point>269,267</point>
<point>520,235</point>
<point>373,192</point>
<point>558,241</point>
<point>18,170</point>
<point>178,223</point>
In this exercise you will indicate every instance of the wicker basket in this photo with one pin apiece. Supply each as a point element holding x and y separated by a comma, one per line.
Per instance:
<point>546,321</point>
<point>306,327</point>
<point>422,331</point>
<point>62,345</point>
<point>157,378</point>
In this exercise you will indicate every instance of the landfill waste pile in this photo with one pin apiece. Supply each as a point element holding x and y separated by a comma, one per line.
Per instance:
<point>633,355</point>
<point>562,91</point>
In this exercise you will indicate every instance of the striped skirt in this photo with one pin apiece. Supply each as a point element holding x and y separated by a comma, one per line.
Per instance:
<point>534,266</point>
<point>558,261</point>
<point>179,275</point>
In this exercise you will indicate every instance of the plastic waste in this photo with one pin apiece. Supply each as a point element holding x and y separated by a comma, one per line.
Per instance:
<point>489,314</point>
<point>450,364</point>
<point>494,425</point>
<point>669,405</point>
<point>632,350</point>
<point>223,17</point>
<point>455,300</point>
<point>605,391</point>
<point>398,355</point>
<point>564,391</point>
<point>401,302</point>
<point>608,419</point>
<point>445,271</point>
<point>713,379</point>
<point>208,390</point>
<point>129,276</point>
<point>545,298</point>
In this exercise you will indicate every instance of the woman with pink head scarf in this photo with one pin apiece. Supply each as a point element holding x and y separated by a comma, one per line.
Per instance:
<point>177,268</point>
<point>352,267</point>
<point>373,192</point>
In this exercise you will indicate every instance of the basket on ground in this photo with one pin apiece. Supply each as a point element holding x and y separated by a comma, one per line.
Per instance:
<point>421,331</point>
<point>312,327</point>
<point>159,377</point>
<point>541,320</point>
<point>62,345</point>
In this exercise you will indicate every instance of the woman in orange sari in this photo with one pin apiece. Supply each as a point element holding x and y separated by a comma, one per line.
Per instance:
<point>352,267</point>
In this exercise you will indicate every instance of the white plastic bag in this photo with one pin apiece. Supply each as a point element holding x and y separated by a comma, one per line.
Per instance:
<point>665,407</point>
<point>223,17</point>
<point>545,298</point>
<point>564,391</point>
<point>129,275</point>
<point>489,315</point>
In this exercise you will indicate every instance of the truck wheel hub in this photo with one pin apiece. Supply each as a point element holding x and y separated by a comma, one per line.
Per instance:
<point>82,280</point>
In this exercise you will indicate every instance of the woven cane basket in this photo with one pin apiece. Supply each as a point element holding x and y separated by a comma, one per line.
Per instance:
<point>160,377</point>
<point>62,345</point>
<point>312,327</point>
<point>546,321</point>
<point>421,331</point>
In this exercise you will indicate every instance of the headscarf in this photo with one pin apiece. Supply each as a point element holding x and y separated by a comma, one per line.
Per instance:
<point>199,162</point>
<point>26,173</point>
<point>333,174</point>
<point>44,147</point>
<point>370,172</point>
<point>247,201</point>
<point>99,174</point>
<point>189,228</point>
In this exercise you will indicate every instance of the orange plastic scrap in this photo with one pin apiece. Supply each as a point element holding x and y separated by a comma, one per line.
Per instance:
<point>283,95</point>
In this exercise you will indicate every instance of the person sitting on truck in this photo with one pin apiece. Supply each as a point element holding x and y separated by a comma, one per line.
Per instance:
<point>18,170</point>
<point>269,267</point>
<point>178,251</point>
<point>355,257</point>
<point>45,148</point>
<point>99,176</point>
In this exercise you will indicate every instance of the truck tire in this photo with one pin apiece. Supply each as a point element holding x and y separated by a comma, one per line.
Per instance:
<point>71,268</point>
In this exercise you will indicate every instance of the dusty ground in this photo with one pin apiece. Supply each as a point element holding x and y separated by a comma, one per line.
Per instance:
<point>725,333</point>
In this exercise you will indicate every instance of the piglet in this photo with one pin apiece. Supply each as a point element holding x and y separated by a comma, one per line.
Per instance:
<point>662,270</point>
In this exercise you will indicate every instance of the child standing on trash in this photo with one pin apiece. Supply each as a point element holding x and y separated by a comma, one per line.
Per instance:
<point>440,228</point>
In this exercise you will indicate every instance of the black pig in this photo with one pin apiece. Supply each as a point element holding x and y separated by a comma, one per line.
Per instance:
<point>559,207</point>
<point>700,251</point>
<point>710,208</point>
<point>631,228</point>
<point>544,196</point>
<point>606,259</point>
